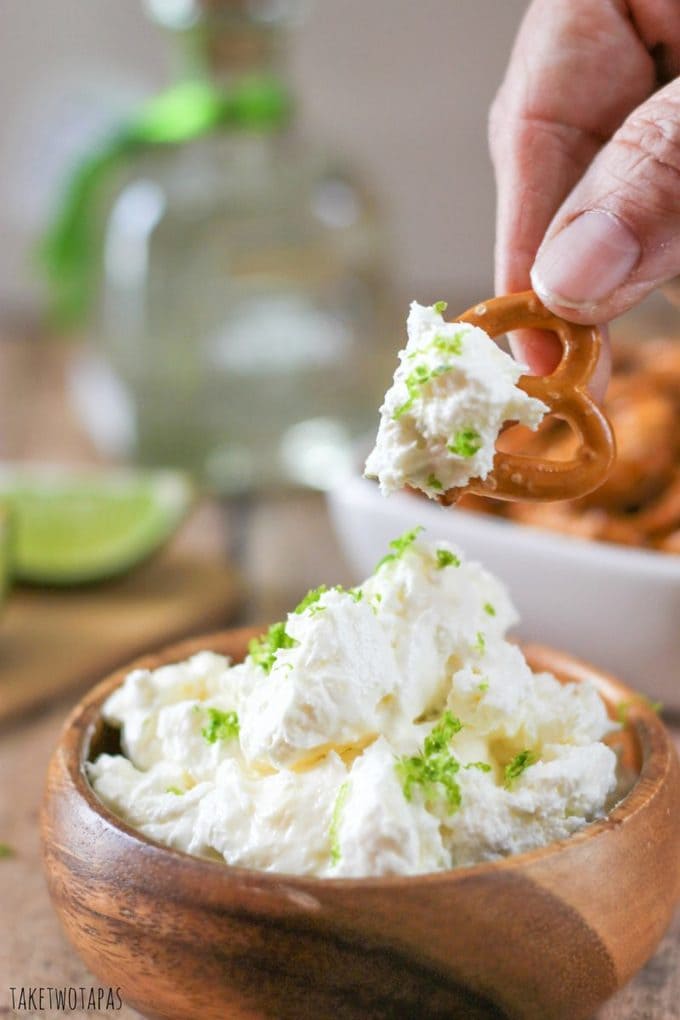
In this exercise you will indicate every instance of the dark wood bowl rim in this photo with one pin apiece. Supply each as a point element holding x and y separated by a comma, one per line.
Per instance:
<point>656,751</point>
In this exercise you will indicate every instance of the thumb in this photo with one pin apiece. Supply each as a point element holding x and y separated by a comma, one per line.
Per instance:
<point>617,235</point>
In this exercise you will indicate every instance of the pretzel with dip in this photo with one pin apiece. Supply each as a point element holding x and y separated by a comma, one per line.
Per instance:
<point>455,391</point>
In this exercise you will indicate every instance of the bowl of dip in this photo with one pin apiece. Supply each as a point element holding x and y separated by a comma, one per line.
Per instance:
<point>550,932</point>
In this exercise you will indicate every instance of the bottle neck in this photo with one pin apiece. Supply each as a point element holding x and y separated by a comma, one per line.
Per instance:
<point>227,54</point>
<point>237,57</point>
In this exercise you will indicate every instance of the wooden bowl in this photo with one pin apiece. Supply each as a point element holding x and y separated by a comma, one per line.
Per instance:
<point>546,934</point>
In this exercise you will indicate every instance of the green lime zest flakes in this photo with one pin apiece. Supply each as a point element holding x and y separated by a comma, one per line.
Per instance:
<point>483,766</point>
<point>6,850</point>
<point>465,443</point>
<point>480,642</point>
<point>336,818</point>
<point>263,650</point>
<point>434,483</point>
<point>445,558</point>
<point>435,776</point>
<point>443,344</point>
<point>419,377</point>
<point>484,686</point>
<point>435,769</point>
<point>310,599</point>
<point>400,545</point>
<point>440,307</point>
<point>314,594</point>
<point>175,789</point>
<point>221,726</point>
<point>515,768</point>
<point>441,735</point>
<point>489,609</point>
<point>449,344</point>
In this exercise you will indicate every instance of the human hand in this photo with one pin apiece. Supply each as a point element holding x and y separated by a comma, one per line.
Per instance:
<point>587,161</point>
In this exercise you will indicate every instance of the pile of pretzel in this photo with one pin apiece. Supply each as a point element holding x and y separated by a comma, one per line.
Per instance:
<point>639,503</point>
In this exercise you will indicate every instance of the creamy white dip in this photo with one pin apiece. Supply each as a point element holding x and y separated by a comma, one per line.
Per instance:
<point>452,392</point>
<point>390,729</point>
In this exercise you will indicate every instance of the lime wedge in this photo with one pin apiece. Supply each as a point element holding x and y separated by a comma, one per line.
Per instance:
<point>73,526</point>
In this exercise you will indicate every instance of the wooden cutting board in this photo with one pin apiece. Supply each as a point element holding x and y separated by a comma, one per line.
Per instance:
<point>54,641</point>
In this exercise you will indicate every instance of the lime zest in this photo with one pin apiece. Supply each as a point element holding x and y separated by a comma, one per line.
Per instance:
<point>449,344</point>
<point>489,609</point>
<point>174,789</point>
<point>310,599</point>
<point>220,726</point>
<point>400,545</point>
<point>262,650</point>
<point>334,827</point>
<point>418,378</point>
<point>434,769</point>
<point>465,443</point>
<point>443,344</point>
<point>434,483</point>
<point>440,307</point>
<point>314,594</point>
<point>515,768</point>
<point>483,766</point>
<point>445,558</point>
<point>441,735</point>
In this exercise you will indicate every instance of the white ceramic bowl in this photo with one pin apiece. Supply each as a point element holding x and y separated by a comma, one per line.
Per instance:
<point>616,607</point>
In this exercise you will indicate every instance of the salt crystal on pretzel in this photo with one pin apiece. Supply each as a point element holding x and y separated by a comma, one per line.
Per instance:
<point>446,466</point>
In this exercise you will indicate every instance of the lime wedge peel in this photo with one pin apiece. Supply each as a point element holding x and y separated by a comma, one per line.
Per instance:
<point>72,526</point>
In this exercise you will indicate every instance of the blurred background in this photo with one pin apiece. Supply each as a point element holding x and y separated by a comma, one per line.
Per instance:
<point>399,89</point>
<point>250,246</point>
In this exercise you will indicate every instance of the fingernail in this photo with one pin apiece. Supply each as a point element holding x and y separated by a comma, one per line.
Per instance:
<point>585,262</point>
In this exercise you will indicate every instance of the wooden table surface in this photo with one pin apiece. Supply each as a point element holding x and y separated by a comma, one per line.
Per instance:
<point>290,538</point>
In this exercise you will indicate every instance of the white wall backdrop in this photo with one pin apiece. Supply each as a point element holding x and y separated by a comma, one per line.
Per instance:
<point>401,87</point>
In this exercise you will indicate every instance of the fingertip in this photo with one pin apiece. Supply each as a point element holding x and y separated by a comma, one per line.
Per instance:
<point>539,350</point>
<point>581,315</point>
<point>584,264</point>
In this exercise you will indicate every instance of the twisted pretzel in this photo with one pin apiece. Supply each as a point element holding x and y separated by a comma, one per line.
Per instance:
<point>519,477</point>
